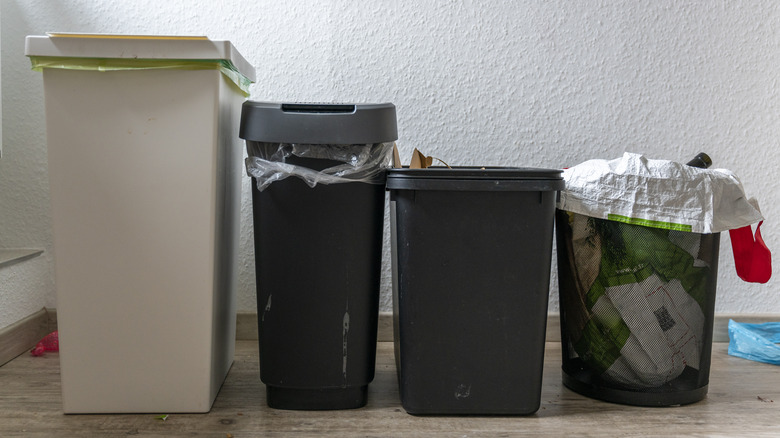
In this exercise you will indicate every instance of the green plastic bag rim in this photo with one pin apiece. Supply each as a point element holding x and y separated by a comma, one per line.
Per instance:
<point>650,223</point>
<point>117,64</point>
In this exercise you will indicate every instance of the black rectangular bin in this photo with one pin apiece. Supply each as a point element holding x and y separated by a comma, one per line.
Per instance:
<point>471,271</point>
<point>318,200</point>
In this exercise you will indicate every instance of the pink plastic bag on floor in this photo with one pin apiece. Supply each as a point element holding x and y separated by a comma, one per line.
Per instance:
<point>50,342</point>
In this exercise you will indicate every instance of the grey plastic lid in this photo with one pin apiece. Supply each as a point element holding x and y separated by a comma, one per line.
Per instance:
<point>318,123</point>
<point>476,179</point>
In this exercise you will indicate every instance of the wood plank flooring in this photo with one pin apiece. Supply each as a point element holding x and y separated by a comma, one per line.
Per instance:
<point>743,400</point>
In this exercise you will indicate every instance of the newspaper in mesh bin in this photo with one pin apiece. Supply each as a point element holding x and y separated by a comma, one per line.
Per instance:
<point>639,321</point>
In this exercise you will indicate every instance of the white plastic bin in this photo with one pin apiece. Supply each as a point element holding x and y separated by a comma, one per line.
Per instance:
<point>145,170</point>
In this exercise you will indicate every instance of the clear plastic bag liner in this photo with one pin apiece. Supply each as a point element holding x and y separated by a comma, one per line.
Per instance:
<point>116,64</point>
<point>366,163</point>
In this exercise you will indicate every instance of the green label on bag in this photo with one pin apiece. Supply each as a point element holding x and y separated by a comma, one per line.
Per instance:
<point>649,223</point>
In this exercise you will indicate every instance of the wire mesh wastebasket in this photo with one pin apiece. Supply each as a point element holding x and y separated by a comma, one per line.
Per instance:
<point>637,307</point>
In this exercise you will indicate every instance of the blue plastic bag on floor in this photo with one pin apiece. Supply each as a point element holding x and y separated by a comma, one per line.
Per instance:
<point>757,342</point>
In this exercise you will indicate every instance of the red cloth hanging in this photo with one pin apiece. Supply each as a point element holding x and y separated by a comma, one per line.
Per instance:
<point>752,258</point>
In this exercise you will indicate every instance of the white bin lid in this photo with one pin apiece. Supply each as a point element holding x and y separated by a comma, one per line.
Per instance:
<point>112,46</point>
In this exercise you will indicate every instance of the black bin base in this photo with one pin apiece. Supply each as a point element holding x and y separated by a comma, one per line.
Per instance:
<point>635,398</point>
<point>316,399</point>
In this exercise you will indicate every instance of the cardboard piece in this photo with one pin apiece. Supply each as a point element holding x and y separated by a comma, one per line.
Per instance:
<point>396,157</point>
<point>419,160</point>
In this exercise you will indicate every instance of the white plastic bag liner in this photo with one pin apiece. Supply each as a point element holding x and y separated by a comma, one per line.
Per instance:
<point>658,193</point>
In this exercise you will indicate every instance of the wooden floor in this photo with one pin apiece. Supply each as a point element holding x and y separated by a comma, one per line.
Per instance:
<point>744,400</point>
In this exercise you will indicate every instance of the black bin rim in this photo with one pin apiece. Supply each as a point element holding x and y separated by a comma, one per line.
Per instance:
<point>475,178</point>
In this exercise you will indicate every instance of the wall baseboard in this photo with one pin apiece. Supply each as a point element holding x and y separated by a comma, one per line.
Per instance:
<point>21,336</point>
<point>9,256</point>
<point>247,325</point>
<point>24,334</point>
<point>720,326</point>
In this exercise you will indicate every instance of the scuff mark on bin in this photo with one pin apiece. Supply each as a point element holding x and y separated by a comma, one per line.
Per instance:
<point>462,391</point>
<point>344,333</point>
<point>267,308</point>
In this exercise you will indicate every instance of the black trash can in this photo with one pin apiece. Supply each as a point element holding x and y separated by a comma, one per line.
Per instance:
<point>318,201</point>
<point>471,270</point>
<point>637,309</point>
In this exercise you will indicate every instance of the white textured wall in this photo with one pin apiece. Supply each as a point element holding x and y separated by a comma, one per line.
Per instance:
<point>540,84</point>
<point>24,186</point>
